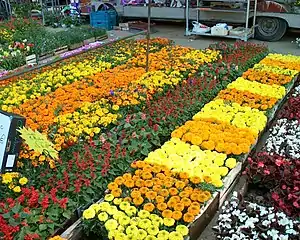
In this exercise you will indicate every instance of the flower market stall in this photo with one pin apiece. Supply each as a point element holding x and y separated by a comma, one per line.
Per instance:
<point>125,157</point>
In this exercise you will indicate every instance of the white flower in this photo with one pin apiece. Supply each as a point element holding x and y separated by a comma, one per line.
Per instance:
<point>291,231</point>
<point>266,223</point>
<point>283,237</point>
<point>273,233</point>
<point>250,222</point>
<point>284,221</point>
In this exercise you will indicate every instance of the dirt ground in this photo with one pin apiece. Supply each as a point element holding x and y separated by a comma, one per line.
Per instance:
<point>176,31</point>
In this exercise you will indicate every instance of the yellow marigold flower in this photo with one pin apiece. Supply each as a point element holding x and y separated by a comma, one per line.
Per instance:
<point>89,213</point>
<point>17,189</point>
<point>169,222</point>
<point>103,216</point>
<point>23,181</point>
<point>230,163</point>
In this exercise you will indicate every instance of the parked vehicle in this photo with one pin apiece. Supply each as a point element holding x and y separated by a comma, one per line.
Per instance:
<point>273,18</point>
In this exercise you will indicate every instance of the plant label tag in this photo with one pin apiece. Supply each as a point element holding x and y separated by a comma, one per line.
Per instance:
<point>10,141</point>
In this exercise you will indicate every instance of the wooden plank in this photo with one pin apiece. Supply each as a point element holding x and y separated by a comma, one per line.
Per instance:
<point>88,41</point>
<point>203,219</point>
<point>229,182</point>
<point>61,50</point>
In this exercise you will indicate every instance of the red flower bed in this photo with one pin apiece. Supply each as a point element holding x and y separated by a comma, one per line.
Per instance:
<point>291,110</point>
<point>281,177</point>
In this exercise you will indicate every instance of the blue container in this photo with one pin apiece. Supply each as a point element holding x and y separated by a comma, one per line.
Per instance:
<point>103,19</point>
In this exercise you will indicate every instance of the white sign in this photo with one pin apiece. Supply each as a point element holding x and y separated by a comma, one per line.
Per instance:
<point>4,130</point>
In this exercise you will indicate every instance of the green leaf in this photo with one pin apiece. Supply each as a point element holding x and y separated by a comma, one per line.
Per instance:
<point>16,208</point>
<point>42,227</point>
<point>6,215</point>
<point>127,125</point>
<point>67,215</point>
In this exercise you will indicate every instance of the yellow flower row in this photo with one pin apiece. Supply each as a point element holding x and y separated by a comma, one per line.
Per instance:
<point>284,58</point>
<point>241,117</point>
<point>87,120</point>
<point>183,157</point>
<point>275,69</point>
<point>156,79</point>
<point>274,91</point>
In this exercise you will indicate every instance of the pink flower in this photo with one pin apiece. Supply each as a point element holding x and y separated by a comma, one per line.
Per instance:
<point>279,162</point>
<point>267,171</point>
<point>143,116</point>
<point>260,164</point>
<point>275,196</point>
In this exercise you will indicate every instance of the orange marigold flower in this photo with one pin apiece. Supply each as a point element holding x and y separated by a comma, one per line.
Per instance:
<point>148,183</point>
<point>135,177</point>
<point>119,180</point>
<point>140,164</point>
<point>171,204</point>
<point>157,188</point>
<point>196,140</point>
<point>111,186</point>
<point>186,202</point>
<point>129,183</point>
<point>196,204</point>
<point>138,172</point>
<point>184,194</point>
<point>151,195</point>
<point>164,192</point>
<point>167,213</point>
<point>188,218</point>
<point>183,175</point>
<point>135,194</point>
<point>180,184</point>
<point>194,210</point>
<point>159,199</point>
<point>144,190</point>
<point>147,175</point>
<point>194,196</point>
<point>156,169</point>
<point>208,194</point>
<point>116,192</point>
<point>133,164</point>
<point>207,179</point>
<point>173,191</point>
<point>196,180</point>
<point>161,176</point>
<point>177,215</point>
<point>202,198</point>
<point>175,198</point>
<point>209,145</point>
<point>157,181</point>
<point>179,207</point>
<point>188,189</point>
<point>162,206</point>
<point>127,199</point>
<point>149,207</point>
<point>138,201</point>
<point>140,183</point>
<point>127,176</point>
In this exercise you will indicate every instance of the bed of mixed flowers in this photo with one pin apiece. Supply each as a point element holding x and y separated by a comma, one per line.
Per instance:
<point>114,115</point>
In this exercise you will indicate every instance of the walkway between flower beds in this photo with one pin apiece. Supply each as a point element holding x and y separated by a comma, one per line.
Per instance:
<point>175,180</point>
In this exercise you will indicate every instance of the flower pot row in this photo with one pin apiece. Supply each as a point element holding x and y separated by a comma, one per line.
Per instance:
<point>218,198</point>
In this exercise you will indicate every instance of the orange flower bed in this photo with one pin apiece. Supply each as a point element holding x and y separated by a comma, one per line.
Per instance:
<point>211,134</point>
<point>266,77</point>
<point>155,188</point>
<point>247,99</point>
<point>41,112</point>
<point>166,59</point>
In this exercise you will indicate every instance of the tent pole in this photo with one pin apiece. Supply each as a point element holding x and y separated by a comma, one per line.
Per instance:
<point>148,35</point>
